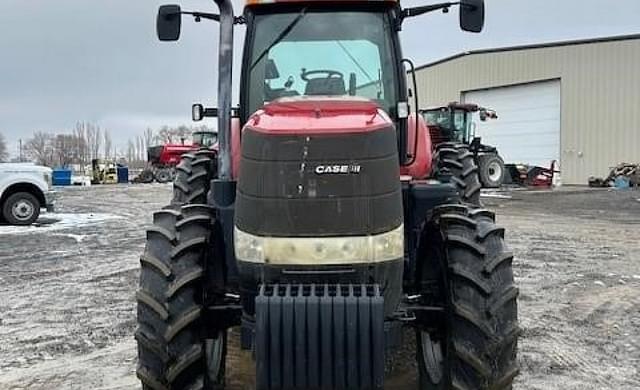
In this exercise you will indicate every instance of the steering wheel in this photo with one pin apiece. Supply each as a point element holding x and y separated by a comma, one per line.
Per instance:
<point>328,72</point>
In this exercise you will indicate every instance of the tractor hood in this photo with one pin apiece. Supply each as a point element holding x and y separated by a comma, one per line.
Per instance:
<point>319,115</point>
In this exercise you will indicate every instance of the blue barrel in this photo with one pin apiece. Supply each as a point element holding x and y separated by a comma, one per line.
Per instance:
<point>123,174</point>
<point>621,182</point>
<point>61,177</point>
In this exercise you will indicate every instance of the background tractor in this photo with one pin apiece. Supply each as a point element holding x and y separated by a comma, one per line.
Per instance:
<point>320,225</point>
<point>453,123</point>
<point>162,159</point>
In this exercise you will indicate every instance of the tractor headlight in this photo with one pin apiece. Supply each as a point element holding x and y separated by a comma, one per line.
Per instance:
<point>320,250</point>
<point>388,246</point>
<point>248,247</point>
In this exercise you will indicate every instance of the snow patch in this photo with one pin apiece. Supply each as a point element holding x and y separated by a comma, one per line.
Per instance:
<point>494,195</point>
<point>59,221</point>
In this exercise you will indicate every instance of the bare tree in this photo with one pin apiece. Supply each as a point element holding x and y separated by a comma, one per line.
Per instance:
<point>149,137</point>
<point>107,144</point>
<point>170,135</point>
<point>40,148</point>
<point>65,149</point>
<point>80,134</point>
<point>141,149</point>
<point>130,152</point>
<point>91,139</point>
<point>94,140</point>
<point>4,153</point>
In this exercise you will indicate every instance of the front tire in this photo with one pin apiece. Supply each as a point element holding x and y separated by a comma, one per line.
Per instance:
<point>163,175</point>
<point>455,159</point>
<point>193,177</point>
<point>146,176</point>
<point>180,256</point>
<point>21,208</point>
<point>173,349</point>
<point>473,346</point>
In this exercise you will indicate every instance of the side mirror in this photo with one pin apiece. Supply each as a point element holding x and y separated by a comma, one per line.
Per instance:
<point>168,22</point>
<point>197,112</point>
<point>472,15</point>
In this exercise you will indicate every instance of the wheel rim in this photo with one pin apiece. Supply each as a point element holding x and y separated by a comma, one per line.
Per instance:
<point>495,171</point>
<point>214,349</point>
<point>432,357</point>
<point>23,210</point>
<point>164,176</point>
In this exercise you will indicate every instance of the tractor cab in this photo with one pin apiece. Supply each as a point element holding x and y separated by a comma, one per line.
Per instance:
<point>291,53</point>
<point>454,122</point>
<point>204,138</point>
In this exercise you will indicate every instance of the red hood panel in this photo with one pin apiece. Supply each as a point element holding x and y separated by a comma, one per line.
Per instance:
<point>319,115</point>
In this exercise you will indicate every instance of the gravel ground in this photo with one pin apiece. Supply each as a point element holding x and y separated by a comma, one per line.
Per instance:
<point>67,309</point>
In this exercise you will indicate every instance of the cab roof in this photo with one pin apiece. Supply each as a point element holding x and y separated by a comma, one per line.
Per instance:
<point>250,3</point>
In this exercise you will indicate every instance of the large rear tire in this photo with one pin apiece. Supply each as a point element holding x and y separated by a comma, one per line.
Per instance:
<point>473,346</point>
<point>455,159</point>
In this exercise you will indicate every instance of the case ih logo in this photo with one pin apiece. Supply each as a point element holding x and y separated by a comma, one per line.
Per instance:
<point>339,169</point>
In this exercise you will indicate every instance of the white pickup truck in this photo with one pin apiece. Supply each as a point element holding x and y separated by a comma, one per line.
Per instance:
<point>24,190</point>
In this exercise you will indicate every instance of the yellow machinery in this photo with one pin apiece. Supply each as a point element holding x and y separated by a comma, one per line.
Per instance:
<point>103,172</point>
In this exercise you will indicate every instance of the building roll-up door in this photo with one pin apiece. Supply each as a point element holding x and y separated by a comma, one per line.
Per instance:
<point>528,126</point>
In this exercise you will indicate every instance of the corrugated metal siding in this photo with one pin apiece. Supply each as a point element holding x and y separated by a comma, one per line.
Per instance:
<point>600,87</point>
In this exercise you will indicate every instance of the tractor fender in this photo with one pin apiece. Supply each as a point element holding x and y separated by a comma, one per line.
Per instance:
<point>420,151</point>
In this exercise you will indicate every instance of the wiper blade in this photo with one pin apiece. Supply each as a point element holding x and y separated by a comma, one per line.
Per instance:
<point>280,37</point>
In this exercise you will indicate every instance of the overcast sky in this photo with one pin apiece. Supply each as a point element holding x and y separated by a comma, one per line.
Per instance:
<point>65,61</point>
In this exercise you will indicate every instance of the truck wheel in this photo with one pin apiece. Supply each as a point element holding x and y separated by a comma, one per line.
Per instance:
<point>473,345</point>
<point>193,177</point>
<point>491,170</point>
<point>21,208</point>
<point>174,350</point>
<point>163,175</point>
<point>456,160</point>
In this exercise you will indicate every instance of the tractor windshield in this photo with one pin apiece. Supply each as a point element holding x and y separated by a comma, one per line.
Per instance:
<point>452,123</point>
<point>316,52</point>
<point>204,138</point>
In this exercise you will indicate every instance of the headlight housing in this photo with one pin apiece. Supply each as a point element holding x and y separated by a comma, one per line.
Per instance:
<point>319,250</point>
<point>48,179</point>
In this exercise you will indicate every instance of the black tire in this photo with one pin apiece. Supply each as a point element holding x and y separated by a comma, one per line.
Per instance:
<point>491,170</point>
<point>21,208</point>
<point>174,351</point>
<point>455,159</point>
<point>193,177</point>
<point>163,175</point>
<point>145,176</point>
<point>473,346</point>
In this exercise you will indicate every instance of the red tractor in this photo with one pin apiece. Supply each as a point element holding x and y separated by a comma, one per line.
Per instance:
<point>453,123</point>
<point>318,226</point>
<point>162,159</point>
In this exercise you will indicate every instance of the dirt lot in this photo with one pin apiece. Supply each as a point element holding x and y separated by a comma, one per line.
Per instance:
<point>67,310</point>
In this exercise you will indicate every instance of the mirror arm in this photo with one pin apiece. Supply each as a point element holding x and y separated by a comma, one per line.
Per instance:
<point>415,11</point>
<point>198,16</point>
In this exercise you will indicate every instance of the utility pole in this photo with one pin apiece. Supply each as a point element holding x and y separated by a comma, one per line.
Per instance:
<point>20,142</point>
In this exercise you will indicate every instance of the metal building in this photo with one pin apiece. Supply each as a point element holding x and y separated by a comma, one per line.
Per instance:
<point>577,101</point>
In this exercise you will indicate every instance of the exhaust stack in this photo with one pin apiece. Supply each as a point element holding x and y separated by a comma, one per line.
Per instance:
<point>225,67</point>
